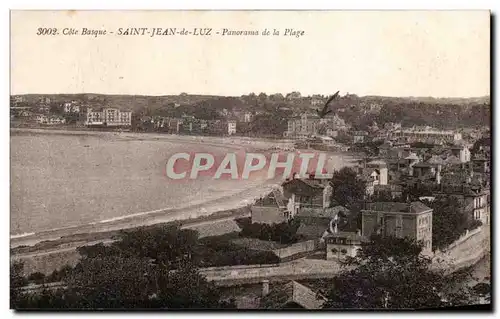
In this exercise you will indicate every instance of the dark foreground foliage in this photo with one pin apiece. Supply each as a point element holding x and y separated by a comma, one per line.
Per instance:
<point>148,268</point>
<point>391,273</point>
<point>284,233</point>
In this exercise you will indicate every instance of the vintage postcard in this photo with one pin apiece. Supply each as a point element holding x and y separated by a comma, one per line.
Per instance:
<point>250,160</point>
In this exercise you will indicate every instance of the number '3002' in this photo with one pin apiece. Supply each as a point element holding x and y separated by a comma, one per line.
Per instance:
<point>46,31</point>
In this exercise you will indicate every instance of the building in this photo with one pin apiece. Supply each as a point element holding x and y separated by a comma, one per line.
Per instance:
<point>71,107</point>
<point>481,164</point>
<point>306,125</point>
<point>50,119</point>
<point>340,245</point>
<point>291,295</point>
<point>359,137</point>
<point>271,209</point>
<point>231,127</point>
<point>318,223</point>
<point>307,194</point>
<point>374,173</point>
<point>44,108</point>
<point>392,126</point>
<point>412,220</point>
<point>317,100</point>
<point>428,171</point>
<point>18,99</point>
<point>402,166</point>
<point>44,100</point>
<point>94,117</point>
<point>390,190</point>
<point>471,189</point>
<point>293,96</point>
<point>110,117</point>
<point>428,135</point>
<point>310,124</point>
<point>247,117</point>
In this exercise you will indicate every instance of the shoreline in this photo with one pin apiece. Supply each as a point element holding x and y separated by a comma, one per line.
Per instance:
<point>159,215</point>
<point>84,239</point>
<point>212,209</point>
<point>217,207</point>
<point>225,141</point>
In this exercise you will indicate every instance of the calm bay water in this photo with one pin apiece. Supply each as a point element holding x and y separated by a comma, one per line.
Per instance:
<point>63,180</point>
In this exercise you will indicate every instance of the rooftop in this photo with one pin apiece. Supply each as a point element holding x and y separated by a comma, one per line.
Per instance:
<point>292,293</point>
<point>422,164</point>
<point>413,207</point>
<point>329,212</point>
<point>347,235</point>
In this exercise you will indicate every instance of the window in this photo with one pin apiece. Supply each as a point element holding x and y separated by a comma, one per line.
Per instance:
<point>399,227</point>
<point>343,251</point>
<point>477,214</point>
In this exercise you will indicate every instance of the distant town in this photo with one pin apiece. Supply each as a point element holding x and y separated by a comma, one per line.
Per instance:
<point>355,120</point>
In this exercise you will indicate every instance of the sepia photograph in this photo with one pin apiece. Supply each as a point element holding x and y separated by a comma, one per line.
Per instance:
<point>250,160</point>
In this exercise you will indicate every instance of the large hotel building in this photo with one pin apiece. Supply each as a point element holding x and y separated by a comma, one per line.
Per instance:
<point>108,117</point>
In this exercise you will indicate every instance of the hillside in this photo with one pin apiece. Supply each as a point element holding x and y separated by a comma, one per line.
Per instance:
<point>358,111</point>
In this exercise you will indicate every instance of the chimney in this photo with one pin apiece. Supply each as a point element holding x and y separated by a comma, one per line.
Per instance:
<point>265,287</point>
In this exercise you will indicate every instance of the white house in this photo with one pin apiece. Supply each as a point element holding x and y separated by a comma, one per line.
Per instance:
<point>231,127</point>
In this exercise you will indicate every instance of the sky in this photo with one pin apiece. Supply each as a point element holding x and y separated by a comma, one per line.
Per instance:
<point>391,53</point>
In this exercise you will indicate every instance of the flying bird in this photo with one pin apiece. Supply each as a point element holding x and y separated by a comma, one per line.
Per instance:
<point>322,113</point>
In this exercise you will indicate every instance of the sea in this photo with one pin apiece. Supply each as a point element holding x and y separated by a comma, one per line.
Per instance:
<point>65,183</point>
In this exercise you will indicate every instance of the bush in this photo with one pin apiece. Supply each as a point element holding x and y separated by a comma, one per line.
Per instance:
<point>214,253</point>
<point>59,275</point>
<point>475,223</point>
<point>37,278</point>
<point>284,233</point>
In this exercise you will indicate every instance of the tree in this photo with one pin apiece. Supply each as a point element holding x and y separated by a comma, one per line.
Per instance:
<point>37,277</point>
<point>391,273</point>
<point>17,280</point>
<point>449,221</point>
<point>186,288</point>
<point>482,142</point>
<point>276,97</point>
<point>483,289</point>
<point>262,97</point>
<point>151,267</point>
<point>348,189</point>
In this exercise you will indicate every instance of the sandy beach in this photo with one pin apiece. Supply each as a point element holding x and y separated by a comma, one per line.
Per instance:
<point>220,202</point>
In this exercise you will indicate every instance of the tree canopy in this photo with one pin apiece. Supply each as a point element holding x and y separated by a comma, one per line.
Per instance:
<point>392,273</point>
<point>348,188</point>
<point>449,220</point>
<point>148,268</point>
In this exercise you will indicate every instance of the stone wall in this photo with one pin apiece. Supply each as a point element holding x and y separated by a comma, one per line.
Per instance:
<point>464,252</point>
<point>298,249</point>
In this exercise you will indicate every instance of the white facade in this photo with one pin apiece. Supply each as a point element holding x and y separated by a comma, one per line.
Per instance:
<point>109,117</point>
<point>247,117</point>
<point>427,134</point>
<point>70,107</point>
<point>231,127</point>
<point>49,120</point>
